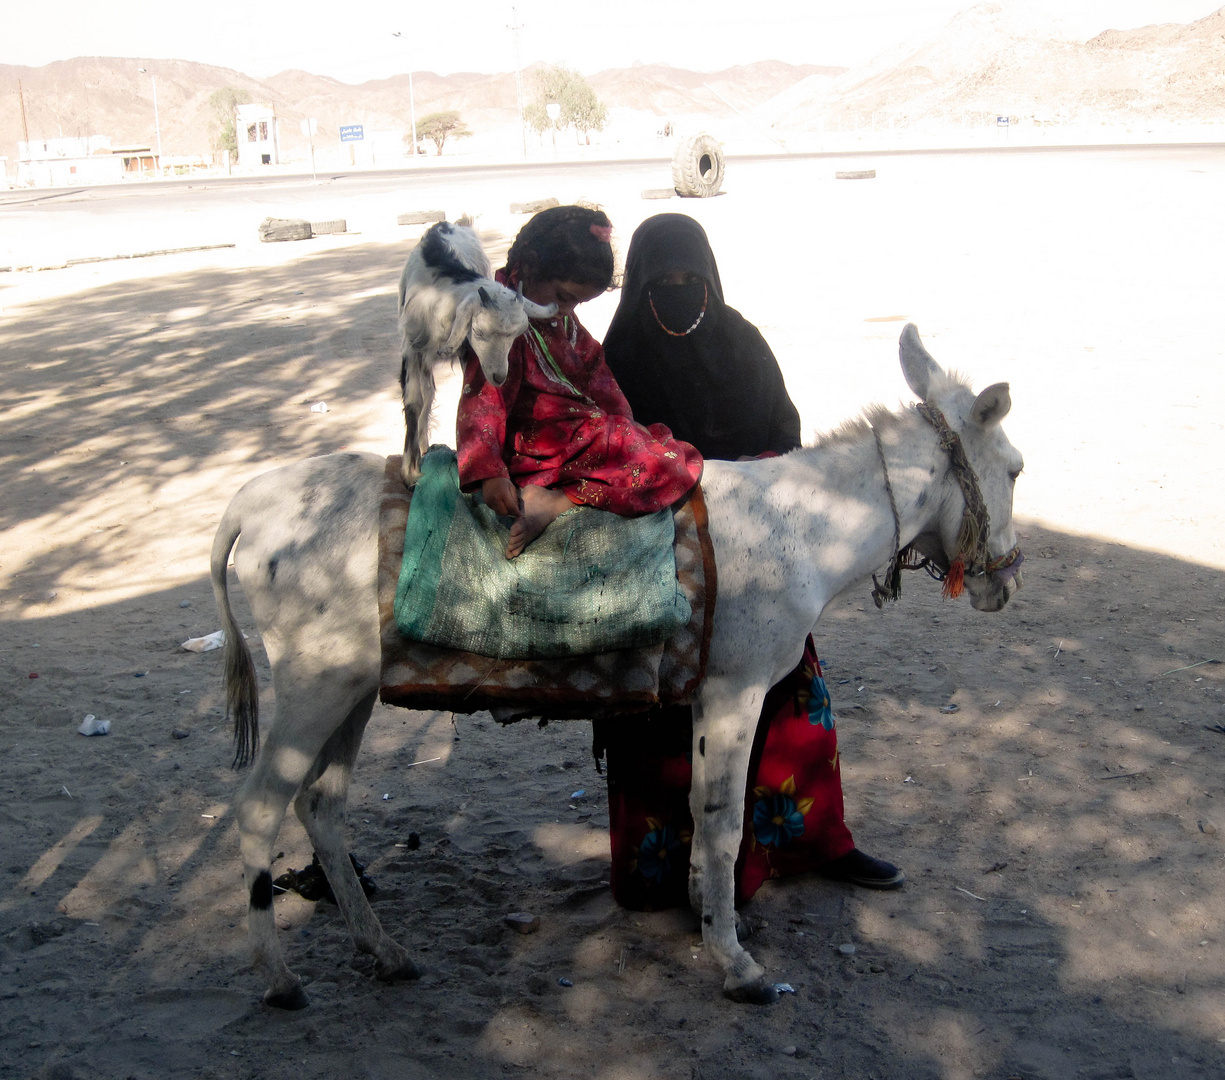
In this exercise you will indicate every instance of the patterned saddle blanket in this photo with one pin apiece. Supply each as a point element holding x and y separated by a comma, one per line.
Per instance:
<point>416,675</point>
<point>592,582</point>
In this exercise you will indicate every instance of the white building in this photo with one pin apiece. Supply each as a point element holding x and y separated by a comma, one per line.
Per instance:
<point>90,160</point>
<point>255,130</point>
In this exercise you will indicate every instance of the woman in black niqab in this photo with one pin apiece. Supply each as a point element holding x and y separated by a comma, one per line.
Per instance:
<point>683,358</point>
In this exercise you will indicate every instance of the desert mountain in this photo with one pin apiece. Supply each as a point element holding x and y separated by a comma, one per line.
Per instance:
<point>992,59</point>
<point>996,59</point>
<point>111,96</point>
<point>667,90</point>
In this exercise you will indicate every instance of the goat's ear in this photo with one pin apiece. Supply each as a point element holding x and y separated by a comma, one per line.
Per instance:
<point>486,299</point>
<point>465,310</point>
<point>917,363</point>
<point>992,405</point>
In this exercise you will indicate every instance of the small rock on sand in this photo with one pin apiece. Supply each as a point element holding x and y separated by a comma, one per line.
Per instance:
<point>522,921</point>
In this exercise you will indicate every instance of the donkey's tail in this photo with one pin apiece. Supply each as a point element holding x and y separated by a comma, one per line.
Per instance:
<point>241,685</point>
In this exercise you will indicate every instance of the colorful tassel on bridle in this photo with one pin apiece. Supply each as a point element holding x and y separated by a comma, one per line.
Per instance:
<point>954,580</point>
<point>971,537</point>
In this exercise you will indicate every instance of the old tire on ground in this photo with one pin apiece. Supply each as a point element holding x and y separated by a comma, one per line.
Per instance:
<point>697,167</point>
<point>326,228</point>
<point>272,230</point>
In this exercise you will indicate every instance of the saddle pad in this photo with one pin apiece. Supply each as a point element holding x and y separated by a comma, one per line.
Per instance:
<point>592,582</point>
<point>420,676</point>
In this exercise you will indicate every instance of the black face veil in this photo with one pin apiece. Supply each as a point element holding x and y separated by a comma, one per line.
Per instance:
<point>711,379</point>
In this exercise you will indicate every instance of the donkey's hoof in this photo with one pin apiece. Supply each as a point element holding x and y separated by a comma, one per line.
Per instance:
<point>758,992</point>
<point>401,971</point>
<point>291,1000</point>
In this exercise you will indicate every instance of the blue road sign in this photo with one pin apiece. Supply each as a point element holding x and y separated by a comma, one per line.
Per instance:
<point>351,133</point>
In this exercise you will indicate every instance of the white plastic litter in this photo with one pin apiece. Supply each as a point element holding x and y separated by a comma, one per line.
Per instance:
<point>319,406</point>
<point>91,725</point>
<point>208,643</point>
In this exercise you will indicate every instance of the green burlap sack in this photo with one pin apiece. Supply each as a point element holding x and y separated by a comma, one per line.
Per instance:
<point>592,582</point>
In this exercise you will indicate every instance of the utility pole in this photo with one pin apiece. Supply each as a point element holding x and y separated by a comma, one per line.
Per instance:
<point>25,128</point>
<point>412,106</point>
<point>309,126</point>
<point>157,127</point>
<point>516,26</point>
<point>157,124</point>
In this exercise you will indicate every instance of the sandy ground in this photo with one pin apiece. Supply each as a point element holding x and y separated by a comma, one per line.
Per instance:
<point>1062,830</point>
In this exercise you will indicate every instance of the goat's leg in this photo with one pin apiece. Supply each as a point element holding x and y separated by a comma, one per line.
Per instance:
<point>417,395</point>
<point>303,724</point>
<point>723,723</point>
<point>321,807</point>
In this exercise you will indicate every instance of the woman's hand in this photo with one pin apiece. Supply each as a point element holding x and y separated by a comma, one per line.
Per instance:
<point>501,496</point>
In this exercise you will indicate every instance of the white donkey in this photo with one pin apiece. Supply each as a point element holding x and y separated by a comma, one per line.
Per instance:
<point>447,296</point>
<point>789,534</point>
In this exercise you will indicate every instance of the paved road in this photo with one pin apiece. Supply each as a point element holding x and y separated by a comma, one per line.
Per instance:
<point>196,192</point>
<point>42,228</point>
<point>420,188</point>
<point>50,226</point>
<point>202,189</point>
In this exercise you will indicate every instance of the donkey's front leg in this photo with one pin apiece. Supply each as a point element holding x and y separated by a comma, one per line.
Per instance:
<point>723,726</point>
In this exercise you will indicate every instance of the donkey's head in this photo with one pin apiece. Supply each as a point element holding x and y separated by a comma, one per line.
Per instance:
<point>491,317</point>
<point>974,525</point>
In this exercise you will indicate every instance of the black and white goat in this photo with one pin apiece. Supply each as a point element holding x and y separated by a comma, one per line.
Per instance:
<point>447,296</point>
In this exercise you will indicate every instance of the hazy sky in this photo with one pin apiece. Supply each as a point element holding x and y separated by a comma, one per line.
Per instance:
<point>353,41</point>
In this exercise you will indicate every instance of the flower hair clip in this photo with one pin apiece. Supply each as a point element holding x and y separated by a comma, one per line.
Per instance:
<point>603,233</point>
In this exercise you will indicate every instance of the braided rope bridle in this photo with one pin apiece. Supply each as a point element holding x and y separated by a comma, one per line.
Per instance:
<point>971,550</point>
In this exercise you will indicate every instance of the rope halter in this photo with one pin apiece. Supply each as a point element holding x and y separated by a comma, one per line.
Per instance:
<point>970,556</point>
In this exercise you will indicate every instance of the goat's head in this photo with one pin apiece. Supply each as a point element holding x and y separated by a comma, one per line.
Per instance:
<point>491,317</point>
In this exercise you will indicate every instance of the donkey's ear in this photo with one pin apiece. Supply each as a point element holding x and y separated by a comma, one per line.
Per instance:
<point>917,365</point>
<point>465,311</point>
<point>992,405</point>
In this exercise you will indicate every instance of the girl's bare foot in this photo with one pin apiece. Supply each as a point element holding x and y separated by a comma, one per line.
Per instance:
<point>540,507</point>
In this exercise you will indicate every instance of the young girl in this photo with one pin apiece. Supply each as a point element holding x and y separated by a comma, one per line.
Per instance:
<point>559,432</point>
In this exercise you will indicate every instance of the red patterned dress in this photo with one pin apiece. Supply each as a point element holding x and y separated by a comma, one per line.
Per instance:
<point>561,421</point>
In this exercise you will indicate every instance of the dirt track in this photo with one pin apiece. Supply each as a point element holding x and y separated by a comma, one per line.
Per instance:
<point>1061,830</point>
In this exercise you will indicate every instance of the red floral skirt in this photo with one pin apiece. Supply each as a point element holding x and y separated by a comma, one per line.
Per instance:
<point>793,819</point>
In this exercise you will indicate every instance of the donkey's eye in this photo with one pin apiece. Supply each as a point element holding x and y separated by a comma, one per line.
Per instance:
<point>1014,474</point>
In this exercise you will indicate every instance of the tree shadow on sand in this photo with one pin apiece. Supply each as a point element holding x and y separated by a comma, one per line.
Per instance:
<point>1062,850</point>
<point>1060,828</point>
